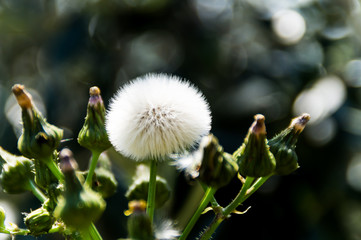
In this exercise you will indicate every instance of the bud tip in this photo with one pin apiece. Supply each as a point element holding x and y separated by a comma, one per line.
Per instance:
<point>258,126</point>
<point>94,91</point>
<point>300,122</point>
<point>67,162</point>
<point>22,96</point>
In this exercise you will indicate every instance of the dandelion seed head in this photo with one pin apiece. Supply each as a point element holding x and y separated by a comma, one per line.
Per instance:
<point>156,115</point>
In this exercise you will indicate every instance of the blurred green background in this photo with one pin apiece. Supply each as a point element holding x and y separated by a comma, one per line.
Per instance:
<point>276,57</point>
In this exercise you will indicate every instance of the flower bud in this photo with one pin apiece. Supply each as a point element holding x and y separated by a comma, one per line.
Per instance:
<point>283,145</point>
<point>39,139</point>
<point>139,188</point>
<point>104,182</point>
<point>217,167</point>
<point>39,221</point>
<point>16,172</point>
<point>253,157</point>
<point>43,176</point>
<point>79,206</point>
<point>93,135</point>
<point>139,224</point>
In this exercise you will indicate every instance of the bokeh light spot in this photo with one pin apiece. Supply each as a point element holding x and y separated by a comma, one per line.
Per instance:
<point>322,99</point>
<point>289,26</point>
<point>353,174</point>
<point>352,73</point>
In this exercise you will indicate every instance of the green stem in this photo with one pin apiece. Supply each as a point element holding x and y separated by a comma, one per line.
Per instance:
<point>93,164</point>
<point>152,189</point>
<point>211,228</point>
<point>94,232</point>
<point>260,181</point>
<point>239,198</point>
<point>206,198</point>
<point>36,191</point>
<point>213,200</point>
<point>54,169</point>
<point>17,231</point>
<point>227,210</point>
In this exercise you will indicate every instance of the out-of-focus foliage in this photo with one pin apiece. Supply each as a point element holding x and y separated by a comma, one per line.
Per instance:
<point>275,57</point>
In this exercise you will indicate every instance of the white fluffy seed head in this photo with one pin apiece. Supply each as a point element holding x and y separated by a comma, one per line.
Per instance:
<point>156,115</point>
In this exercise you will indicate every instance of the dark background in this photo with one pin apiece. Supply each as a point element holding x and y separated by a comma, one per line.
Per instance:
<point>279,58</point>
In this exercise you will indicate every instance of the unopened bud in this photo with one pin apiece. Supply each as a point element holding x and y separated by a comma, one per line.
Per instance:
<point>253,157</point>
<point>16,172</point>
<point>39,221</point>
<point>39,139</point>
<point>79,206</point>
<point>139,188</point>
<point>104,182</point>
<point>93,135</point>
<point>217,167</point>
<point>43,176</point>
<point>283,145</point>
<point>139,224</point>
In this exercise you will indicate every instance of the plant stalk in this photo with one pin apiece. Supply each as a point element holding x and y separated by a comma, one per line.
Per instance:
<point>36,191</point>
<point>208,196</point>
<point>93,164</point>
<point>152,189</point>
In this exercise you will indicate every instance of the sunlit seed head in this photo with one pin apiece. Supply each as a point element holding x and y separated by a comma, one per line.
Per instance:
<point>156,115</point>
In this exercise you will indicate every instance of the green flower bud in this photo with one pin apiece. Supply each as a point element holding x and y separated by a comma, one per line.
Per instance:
<point>79,206</point>
<point>16,172</point>
<point>39,139</point>
<point>283,145</point>
<point>43,176</point>
<point>105,182</point>
<point>93,135</point>
<point>217,167</point>
<point>139,188</point>
<point>139,224</point>
<point>2,219</point>
<point>39,221</point>
<point>253,157</point>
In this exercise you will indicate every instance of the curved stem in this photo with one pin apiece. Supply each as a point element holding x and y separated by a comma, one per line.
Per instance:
<point>239,198</point>
<point>152,189</point>
<point>206,198</point>
<point>93,164</point>
<point>54,169</point>
<point>36,191</point>
<point>260,181</point>
<point>227,210</point>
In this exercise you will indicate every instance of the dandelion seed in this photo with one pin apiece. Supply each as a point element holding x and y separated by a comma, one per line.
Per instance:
<point>156,115</point>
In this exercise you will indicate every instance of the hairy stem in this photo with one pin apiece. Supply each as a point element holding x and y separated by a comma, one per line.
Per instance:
<point>227,210</point>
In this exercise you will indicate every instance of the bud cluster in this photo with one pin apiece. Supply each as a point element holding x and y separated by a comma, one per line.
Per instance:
<point>66,200</point>
<point>72,200</point>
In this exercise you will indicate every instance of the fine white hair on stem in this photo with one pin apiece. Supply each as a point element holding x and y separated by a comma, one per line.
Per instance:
<point>156,115</point>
